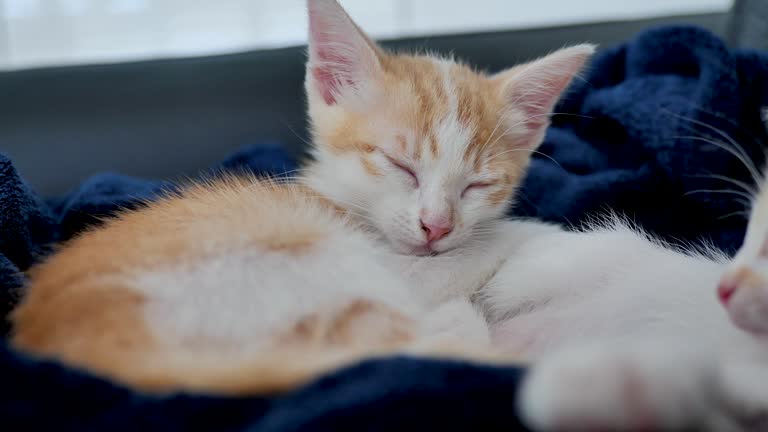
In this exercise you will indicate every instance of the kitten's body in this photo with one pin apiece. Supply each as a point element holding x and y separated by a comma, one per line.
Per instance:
<point>603,284</point>
<point>627,334</point>
<point>191,293</point>
<point>245,285</point>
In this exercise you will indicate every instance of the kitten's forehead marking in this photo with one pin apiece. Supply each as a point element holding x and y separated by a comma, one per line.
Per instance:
<point>453,134</point>
<point>472,122</point>
<point>469,121</point>
<point>429,101</point>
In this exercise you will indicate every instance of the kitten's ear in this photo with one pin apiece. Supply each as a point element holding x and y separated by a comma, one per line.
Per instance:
<point>532,89</point>
<point>341,57</point>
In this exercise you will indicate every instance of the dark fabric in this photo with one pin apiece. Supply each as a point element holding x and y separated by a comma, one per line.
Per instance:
<point>636,137</point>
<point>377,395</point>
<point>631,139</point>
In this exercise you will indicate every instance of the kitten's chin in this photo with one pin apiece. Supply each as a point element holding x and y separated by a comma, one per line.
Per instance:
<point>402,248</point>
<point>420,251</point>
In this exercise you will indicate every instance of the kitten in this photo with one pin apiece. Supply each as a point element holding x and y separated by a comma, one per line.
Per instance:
<point>243,285</point>
<point>743,288</point>
<point>637,341</point>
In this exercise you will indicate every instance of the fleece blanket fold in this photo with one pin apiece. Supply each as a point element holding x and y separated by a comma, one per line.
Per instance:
<point>651,131</point>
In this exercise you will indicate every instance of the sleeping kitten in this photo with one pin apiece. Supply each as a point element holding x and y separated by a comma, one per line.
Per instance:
<point>244,285</point>
<point>637,341</point>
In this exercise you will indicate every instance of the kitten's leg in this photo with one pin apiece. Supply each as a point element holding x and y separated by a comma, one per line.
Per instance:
<point>457,321</point>
<point>745,393</point>
<point>649,386</point>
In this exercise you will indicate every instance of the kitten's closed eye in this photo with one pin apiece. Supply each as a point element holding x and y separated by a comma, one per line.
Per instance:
<point>404,168</point>
<point>476,186</point>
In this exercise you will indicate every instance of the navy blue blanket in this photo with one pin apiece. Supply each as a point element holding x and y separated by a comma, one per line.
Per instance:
<point>641,134</point>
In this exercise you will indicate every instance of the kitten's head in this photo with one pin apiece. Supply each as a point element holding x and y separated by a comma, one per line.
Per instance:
<point>425,149</point>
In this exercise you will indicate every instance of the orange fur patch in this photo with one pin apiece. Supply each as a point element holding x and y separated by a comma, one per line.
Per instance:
<point>415,99</point>
<point>747,277</point>
<point>499,196</point>
<point>481,108</point>
<point>370,167</point>
<point>78,308</point>
<point>402,145</point>
<point>364,321</point>
<point>360,322</point>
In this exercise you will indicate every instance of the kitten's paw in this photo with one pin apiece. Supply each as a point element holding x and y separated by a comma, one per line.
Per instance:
<point>744,292</point>
<point>596,390</point>
<point>745,394</point>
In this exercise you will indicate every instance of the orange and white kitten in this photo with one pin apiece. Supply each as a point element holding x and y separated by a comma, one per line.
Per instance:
<point>244,285</point>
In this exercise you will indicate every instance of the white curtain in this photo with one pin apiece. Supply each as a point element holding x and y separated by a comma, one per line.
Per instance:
<point>50,32</point>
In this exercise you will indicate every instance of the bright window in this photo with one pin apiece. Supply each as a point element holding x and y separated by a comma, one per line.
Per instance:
<point>45,32</point>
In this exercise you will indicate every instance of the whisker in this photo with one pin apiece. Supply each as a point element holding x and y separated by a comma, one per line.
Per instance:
<point>509,128</point>
<point>737,150</point>
<point>725,118</point>
<point>742,157</point>
<point>720,191</point>
<point>288,173</point>
<point>743,213</point>
<point>495,128</point>
<point>365,219</point>
<point>523,121</point>
<point>296,134</point>
<point>747,188</point>
<point>344,202</point>
<point>571,115</point>
<point>746,203</point>
<point>527,150</point>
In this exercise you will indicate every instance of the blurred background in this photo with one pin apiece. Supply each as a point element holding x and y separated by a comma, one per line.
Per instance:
<point>166,88</point>
<point>53,32</point>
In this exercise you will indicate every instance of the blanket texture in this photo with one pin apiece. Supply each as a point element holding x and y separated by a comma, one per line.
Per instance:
<point>648,132</point>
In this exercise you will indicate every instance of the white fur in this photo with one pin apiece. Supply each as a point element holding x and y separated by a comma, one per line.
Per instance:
<point>239,300</point>
<point>630,333</point>
<point>611,308</point>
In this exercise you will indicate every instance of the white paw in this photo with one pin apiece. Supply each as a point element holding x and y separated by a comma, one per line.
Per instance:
<point>596,389</point>
<point>744,292</point>
<point>745,394</point>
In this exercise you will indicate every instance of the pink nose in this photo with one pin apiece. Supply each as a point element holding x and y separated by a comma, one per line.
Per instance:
<point>726,288</point>
<point>435,232</point>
